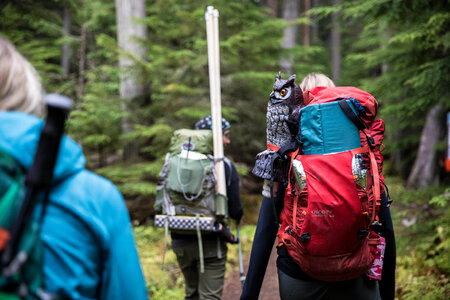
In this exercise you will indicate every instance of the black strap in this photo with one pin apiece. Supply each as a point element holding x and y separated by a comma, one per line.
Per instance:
<point>287,148</point>
<point>348,111</point>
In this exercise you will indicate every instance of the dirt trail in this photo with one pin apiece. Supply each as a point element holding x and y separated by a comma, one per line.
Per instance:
<point>269,291</point>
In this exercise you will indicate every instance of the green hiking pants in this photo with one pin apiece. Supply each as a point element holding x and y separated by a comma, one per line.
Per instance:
<point>207,285</point>
<point>360,288</point>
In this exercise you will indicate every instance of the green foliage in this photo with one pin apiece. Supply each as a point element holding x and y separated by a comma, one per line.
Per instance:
<point>441,200</point>
<point>97,121</point>
<point>422,228</point>
<point>154,140</point>
<point>161,284</point>
<point>242,169</point>
<point>35,28</point>
<point>135,181</point>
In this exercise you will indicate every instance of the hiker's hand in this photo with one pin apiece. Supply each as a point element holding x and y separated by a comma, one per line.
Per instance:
<point>225,234</point>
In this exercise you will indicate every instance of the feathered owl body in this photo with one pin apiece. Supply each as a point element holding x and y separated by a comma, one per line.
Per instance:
<point>285,102</point>
<point>283,109</point>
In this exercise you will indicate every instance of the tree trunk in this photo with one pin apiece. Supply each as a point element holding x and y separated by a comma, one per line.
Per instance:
<point>424,172</point>
<point>81,66</point>
<point>306,27</point>
<point>336,46</point>
<point>315,21</point>
<point>65,57</point>
<point>290,13</point>
<point>128,31</point>
<point>273,5</point>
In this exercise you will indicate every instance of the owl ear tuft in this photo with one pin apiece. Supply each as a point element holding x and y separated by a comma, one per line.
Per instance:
<point>278,75</point>
<point>291,79</point>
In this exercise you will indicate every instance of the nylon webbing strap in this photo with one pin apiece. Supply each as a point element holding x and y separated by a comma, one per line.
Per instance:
<point>376,179</point>
<point>200,244</point>
<point>273,147</point>
<point>294,217</point>
<point>286,148</point>
<point>166,233</point>
<point>351,114</point>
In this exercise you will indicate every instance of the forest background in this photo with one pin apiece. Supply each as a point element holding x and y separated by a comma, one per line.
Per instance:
<point>138,70</point>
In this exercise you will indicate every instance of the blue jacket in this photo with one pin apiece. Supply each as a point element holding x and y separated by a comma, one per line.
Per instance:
<point>89,249</point>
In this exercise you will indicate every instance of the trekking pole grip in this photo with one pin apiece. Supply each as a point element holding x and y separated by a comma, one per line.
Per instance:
<point>41,172</point>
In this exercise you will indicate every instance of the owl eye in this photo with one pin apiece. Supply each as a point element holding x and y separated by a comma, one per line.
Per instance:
<point>273,90</point>
<point>283,92</point>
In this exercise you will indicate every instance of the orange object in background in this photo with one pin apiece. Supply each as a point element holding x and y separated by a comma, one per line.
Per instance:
<point>4,238</point>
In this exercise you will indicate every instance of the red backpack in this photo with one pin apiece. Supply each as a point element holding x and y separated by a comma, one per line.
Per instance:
<point>333,194</point>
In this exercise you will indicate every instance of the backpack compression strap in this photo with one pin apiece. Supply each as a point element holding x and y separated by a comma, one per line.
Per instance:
<point>282,152</point>
<point>362,126</point>
<point>376,179</point>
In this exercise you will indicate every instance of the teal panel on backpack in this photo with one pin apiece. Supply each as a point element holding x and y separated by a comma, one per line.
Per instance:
<point>326,129</point>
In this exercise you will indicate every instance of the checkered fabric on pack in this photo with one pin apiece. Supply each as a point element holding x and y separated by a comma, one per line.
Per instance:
<point>185,222</point>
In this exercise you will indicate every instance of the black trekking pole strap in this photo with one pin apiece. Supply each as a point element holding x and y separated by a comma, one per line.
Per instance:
<point>40,174</point>
<point>348,111</point>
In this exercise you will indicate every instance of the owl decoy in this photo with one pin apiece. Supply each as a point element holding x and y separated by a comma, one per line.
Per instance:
<point>282,89</point>
<point>286,100</point>
<point>283,110</point>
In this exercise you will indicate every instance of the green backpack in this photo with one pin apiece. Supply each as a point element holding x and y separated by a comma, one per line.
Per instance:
<point>186,199</point>
<point>23,277</point>
<point>186,193</point>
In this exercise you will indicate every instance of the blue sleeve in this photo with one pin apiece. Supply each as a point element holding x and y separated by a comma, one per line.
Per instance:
<point>123,277</point>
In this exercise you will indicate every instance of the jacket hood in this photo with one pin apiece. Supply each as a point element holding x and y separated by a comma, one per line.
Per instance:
<point>19,136</point>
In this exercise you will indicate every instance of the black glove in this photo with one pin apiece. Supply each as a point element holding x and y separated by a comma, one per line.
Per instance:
<point>225,234</point>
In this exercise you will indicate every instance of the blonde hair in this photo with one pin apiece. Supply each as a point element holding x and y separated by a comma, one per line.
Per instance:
<point>20,87</point>
<point>315,79</point>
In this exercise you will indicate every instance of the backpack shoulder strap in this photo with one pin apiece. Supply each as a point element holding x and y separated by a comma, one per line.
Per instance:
<point>356,120</point>
<point>348,111</point>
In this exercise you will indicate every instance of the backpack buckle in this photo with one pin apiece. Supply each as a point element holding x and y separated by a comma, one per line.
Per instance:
<point>389,202</point>
<point>371,142</point>
<point>362,234</point>
<point>305,237</point>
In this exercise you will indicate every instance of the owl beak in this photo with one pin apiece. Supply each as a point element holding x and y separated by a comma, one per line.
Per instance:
<point>273,98</point>
<point>275,101</point>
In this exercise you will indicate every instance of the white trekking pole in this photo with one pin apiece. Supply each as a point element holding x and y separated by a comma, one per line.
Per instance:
<point>241,265</point>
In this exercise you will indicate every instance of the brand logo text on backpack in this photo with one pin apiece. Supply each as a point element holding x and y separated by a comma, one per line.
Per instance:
<point>322,213</point>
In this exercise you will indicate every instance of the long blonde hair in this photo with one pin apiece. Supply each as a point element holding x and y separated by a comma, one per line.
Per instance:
<point>20,87</point>
<point>315,79</point>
